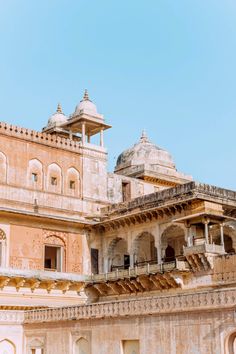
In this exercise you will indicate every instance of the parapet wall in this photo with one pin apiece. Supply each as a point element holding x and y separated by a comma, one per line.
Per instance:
<point>40,138</point>
<point>190,189</point>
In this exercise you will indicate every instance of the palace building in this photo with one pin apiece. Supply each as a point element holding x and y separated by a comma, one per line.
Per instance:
<point>139,261</point>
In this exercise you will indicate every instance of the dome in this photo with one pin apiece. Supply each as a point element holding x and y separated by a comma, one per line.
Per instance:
<point>86,105</point>
<point>57,118</point>
<point>144,153</point>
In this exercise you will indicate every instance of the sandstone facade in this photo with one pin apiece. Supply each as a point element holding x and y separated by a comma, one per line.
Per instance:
<point>140,261</point>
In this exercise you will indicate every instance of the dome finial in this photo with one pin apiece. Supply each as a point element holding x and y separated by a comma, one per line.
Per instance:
<point>144,137</point>
<point>86,95</point>
<point>59,109</point>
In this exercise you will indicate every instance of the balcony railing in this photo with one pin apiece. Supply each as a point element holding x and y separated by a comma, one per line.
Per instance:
<point>147,268</point>
<point>204,248</point>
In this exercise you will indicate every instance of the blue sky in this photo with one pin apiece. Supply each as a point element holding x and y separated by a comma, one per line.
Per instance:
<point>163,65</point>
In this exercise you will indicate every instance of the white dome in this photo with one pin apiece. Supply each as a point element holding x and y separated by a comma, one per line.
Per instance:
<point>57,118</point>
<point>86,105</point>
<point>144,153</point>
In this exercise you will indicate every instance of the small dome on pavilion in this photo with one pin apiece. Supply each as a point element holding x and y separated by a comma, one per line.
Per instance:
<point>57,118</point>
<point>144,153</point>
<point>86,105</point>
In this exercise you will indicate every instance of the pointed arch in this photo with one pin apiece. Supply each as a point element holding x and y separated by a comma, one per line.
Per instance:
<point>172,241</point>
<point>73,182</point>
<point>35,174</point>
<point>54,178</point>
<point>7,346</point>
<point>82,346</point>
<point>3,167</point>
<point>143,248</point>
<point>117,254</point>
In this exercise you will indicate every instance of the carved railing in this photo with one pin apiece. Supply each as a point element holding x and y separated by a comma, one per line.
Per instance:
<point>139,270</point>
<point>11,317</point>
<point>207,300</point>
<point>204,248</point>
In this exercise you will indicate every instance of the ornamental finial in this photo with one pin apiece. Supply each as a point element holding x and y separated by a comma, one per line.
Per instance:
<point>144,137</point>
<point>59,109</point>
<point>86,96</point>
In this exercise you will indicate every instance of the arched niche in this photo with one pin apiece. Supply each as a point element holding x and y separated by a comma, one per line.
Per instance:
<point>7,347</point>
<point>3,168</point>
<point>231,343</point>
<point>3,249</point>
<point>35,174</point>
<point>73,182</point>
<point>82,346</point>
<point>229,237</point>
<point>36,346</point>
<point>54,178</point>
<point>172,242</point>
<point>117,254</point>
<point>143,249</point>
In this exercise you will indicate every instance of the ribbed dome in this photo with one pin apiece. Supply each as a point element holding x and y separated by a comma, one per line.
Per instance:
<point>144,153</point>
<point>57,118</point>
<point>86,105</point>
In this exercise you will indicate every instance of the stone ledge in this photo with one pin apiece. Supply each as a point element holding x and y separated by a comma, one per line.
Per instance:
<point>201,301</point>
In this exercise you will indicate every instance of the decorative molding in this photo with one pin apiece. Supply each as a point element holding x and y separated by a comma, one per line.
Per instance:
<point>201,301</point>
<point>11,317</point>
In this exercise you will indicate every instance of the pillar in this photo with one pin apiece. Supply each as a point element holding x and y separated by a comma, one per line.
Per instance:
<point>88,138</point>
<point>132,261</point>
<point>106,265</point>
<point>101,138</point>
<point>70,135</point>
<point>206,232</point>
<point>83,133</point>
<point>222,242</point>
<point>189,236</point>
<point>159,258</point>
<point>157,239</point>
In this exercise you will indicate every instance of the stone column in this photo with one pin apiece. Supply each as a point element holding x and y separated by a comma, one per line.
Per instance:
<point>189,236</point>
<point>70,135</point>
<point>101,138</point>
<point>206,231</point>
<point>157,238</point>
<point>106,265</point>
<point>83,133</point>
<point>222,242</point>
<point>88,138</point>
<point>131,261</point>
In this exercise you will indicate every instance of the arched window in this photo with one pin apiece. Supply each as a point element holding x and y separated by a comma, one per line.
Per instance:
<point>36,346</point>
<point>3,168</point>
<point>172,242</point>
<point>54,178</point>
<point>73,182</point>
<point>7,347</point>
<point>82,346</point>
<point>117,254</point>
<point>35,174</point>
<point>143,249</point>
<point>54,254</point>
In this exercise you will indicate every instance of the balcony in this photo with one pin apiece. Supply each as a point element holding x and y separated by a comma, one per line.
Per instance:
<point>141,268</point>
<point>204,248</point>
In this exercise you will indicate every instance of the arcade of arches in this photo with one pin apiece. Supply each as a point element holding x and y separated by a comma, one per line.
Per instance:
<point>143,247</point>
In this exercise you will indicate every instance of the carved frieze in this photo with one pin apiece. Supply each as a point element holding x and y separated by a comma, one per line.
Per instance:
<point>213,300</point>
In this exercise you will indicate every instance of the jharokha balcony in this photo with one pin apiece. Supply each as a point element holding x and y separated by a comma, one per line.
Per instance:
<point>140,279</point>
